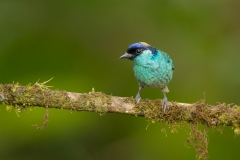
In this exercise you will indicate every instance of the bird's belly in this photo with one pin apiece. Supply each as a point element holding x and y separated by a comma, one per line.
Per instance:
<point>153,77</point>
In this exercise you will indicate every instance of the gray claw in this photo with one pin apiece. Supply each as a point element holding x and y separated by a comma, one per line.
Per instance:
<point>138,94</point>
<point>138,98</point>
<point>165,101</point>
<point>2,97</point>
<point>165,104</point>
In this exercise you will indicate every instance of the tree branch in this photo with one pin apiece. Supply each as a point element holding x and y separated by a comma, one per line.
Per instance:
<point>21,97</point>
<point>199,112</point>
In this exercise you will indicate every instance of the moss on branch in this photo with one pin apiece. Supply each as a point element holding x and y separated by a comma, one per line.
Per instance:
<point>179,114</point>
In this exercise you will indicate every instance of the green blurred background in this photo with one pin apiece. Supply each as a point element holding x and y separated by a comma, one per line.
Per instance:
<point>79,44</point>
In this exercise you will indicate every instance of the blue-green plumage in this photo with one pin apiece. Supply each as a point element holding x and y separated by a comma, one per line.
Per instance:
<point>152,68</point>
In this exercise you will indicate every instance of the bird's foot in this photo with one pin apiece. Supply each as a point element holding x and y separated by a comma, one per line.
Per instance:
<point>2,97</point>
<point>138,98</point>
<point>165,104</point>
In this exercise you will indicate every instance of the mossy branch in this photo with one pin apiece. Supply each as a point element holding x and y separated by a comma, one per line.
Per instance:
<point>197,113</point>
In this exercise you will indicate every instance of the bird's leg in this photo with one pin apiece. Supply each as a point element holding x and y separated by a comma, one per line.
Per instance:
<point>165,100</point>
<point>138,94</point>
<point>2,97</point>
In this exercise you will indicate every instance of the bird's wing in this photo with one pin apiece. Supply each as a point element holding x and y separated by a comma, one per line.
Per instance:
<point>168,59</point>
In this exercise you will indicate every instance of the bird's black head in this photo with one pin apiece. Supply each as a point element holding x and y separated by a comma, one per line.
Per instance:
<point>136,49</point>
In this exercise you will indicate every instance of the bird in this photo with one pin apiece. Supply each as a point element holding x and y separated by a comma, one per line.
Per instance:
<point>152,68</point>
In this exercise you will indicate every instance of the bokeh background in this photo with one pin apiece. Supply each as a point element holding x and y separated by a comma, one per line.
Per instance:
<point>79,44</point>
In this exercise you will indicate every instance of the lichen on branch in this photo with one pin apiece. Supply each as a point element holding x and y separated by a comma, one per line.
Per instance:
<point>199,113</point>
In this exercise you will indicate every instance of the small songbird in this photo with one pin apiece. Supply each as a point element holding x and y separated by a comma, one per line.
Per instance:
<point>152,68</point>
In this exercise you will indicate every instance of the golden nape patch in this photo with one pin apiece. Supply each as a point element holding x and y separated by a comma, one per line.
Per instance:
<point>145,44</point>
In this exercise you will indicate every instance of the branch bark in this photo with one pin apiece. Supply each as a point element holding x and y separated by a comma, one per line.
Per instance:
<point>21,97</point>
<point>199,112</point>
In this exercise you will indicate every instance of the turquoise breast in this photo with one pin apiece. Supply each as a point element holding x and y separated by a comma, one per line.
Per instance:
<point>153,70</point>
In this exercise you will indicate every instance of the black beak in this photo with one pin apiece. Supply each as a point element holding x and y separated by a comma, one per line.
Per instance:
<point>126,55</point>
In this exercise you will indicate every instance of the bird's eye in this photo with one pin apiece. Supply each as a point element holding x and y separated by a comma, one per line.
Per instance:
<point>138,51</point>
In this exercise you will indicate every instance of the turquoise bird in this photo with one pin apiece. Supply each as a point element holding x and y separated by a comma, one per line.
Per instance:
<point>152,68</point>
